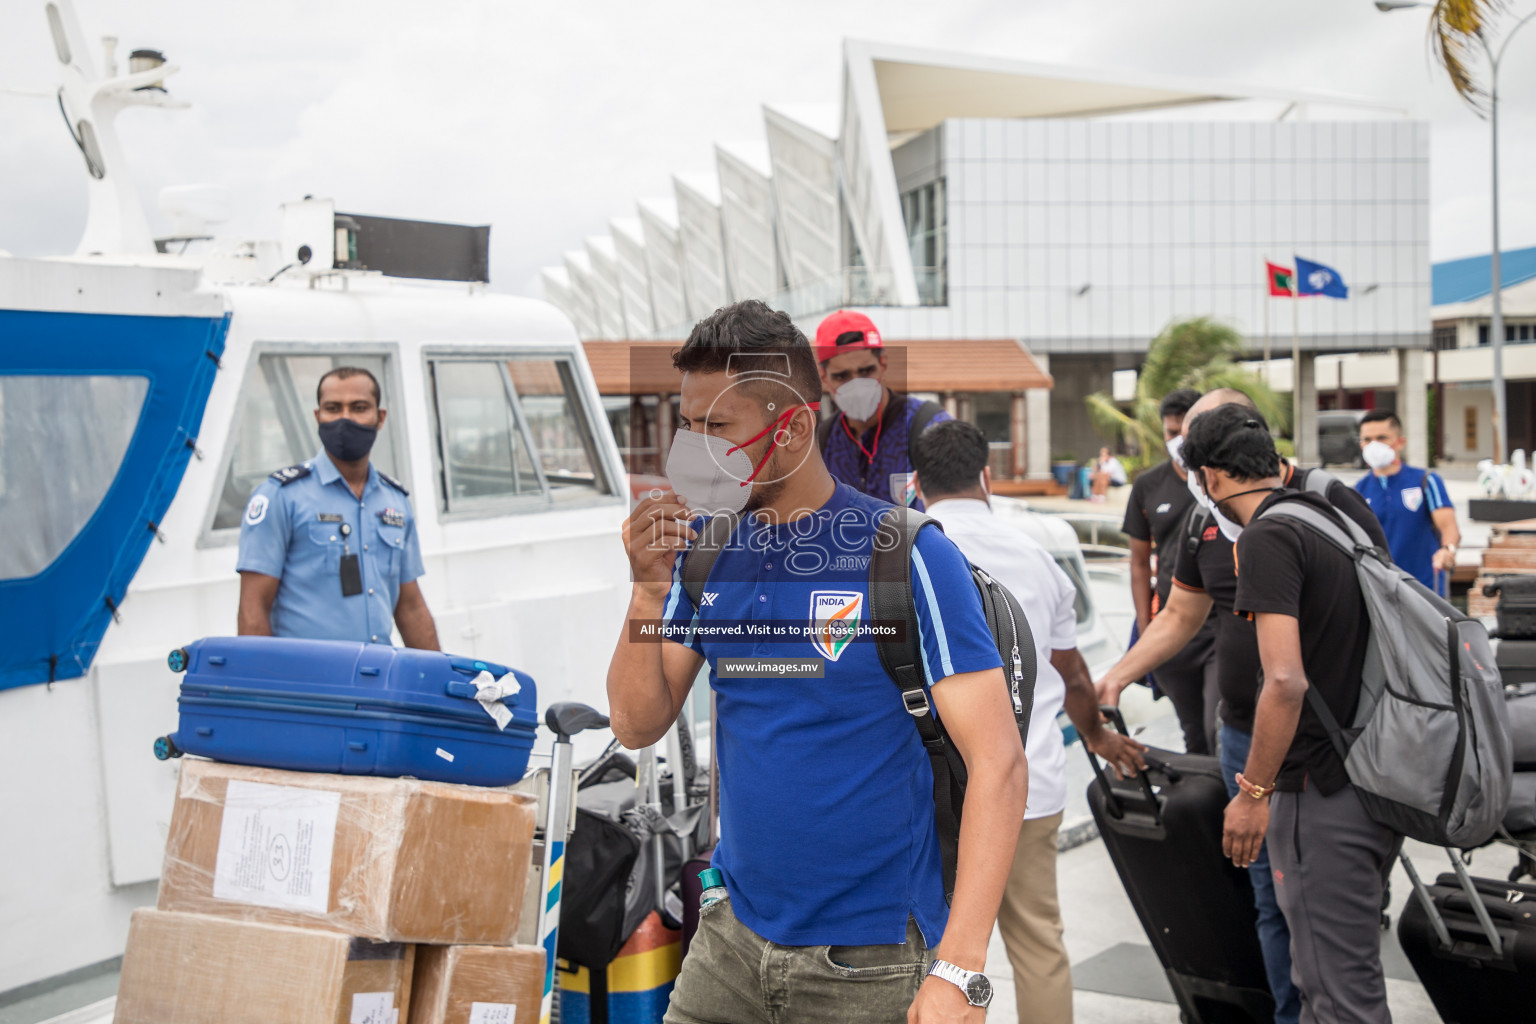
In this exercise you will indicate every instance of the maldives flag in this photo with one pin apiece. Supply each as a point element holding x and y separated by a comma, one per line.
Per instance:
<point>1281,280</point>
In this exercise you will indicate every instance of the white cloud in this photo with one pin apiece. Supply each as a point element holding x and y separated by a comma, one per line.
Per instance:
<point>546,120</point>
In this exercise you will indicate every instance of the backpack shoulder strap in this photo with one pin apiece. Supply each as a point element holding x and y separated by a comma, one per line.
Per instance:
<point>1194,529</point>
<point>891,600</point>
<point>1319,482</point>
<point>1343,532</point>
<point>923,416</point>
<point>699,560</point>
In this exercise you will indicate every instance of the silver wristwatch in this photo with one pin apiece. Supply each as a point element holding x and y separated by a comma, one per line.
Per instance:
<point>977,989</point>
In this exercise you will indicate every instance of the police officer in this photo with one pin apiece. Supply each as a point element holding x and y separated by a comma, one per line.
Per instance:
<point>328,548</point>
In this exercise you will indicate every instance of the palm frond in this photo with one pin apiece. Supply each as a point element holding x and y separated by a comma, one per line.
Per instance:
<point>1198,353</point>
<point>1455,28</point>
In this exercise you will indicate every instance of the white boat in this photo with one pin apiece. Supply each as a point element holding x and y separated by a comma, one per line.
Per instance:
<point>143,394</point>
<point>147,386</point>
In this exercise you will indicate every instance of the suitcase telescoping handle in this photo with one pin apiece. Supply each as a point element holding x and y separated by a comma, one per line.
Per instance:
<point>1111,799</point>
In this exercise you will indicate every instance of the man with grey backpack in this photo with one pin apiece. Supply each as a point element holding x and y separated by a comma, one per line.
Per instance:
<point>1345,637</point>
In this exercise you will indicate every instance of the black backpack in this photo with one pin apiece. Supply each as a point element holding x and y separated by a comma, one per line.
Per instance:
<point>891,600</point>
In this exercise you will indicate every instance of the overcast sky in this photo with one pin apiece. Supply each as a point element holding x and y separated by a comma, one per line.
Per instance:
<point>545,120</point>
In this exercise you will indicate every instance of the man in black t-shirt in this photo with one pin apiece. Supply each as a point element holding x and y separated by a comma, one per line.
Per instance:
<point>1204,578</point>
<point>1160,497</point>
<point>1329,857</point>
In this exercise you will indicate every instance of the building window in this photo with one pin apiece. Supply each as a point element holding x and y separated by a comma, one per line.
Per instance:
<point>923,210</point>
<point>1482,334</point>
<point>1445,337</point>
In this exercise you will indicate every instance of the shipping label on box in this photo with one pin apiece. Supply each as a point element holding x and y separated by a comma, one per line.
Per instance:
<point>275,846</point>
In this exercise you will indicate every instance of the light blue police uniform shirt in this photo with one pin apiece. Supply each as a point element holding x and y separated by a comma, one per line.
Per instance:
<point>292,530</point>
<point>1403,502</point>
<point>827,834</point>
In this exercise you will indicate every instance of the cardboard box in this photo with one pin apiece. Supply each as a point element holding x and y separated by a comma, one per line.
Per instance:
<point>477,985</point>
<point>192,969</point>
<point>397,860</point>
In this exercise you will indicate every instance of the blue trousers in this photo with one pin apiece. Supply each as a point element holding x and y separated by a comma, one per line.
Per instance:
<point>1274,935</point>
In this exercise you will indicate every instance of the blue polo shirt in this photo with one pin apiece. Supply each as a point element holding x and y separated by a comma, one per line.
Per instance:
<point>827,834</point>
<point>1403,503</point>
<point>292,529</point>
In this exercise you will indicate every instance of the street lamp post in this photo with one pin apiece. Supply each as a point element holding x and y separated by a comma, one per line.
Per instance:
<point>1496,326</point>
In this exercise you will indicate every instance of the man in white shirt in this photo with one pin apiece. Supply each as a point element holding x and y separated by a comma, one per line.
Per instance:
<point>955,483</point>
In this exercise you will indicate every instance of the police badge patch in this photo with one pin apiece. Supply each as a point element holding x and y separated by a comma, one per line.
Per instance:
<point>256,511</point>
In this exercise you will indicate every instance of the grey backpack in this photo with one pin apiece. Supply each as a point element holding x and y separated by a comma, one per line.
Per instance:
<point>1429,749</point>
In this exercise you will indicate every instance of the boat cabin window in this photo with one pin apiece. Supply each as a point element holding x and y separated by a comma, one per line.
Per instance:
<point>512,432</point>
<point>276,425</point>
<point>62,440</point>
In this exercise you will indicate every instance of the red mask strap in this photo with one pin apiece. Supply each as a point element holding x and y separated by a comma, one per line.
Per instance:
<point>776,425</point>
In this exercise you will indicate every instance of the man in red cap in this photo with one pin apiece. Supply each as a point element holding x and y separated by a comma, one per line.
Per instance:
<point>865,443</point>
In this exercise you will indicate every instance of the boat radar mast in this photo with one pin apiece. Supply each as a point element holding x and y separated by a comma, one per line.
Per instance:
<point>115,224</point>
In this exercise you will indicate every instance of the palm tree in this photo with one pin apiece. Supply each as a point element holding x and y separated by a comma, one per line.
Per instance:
<point>1455,27</point>
<point>1199,353</point>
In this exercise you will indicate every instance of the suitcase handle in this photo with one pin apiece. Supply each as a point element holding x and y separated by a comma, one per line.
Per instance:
<point>469,691</point>
<point>1111,800</point>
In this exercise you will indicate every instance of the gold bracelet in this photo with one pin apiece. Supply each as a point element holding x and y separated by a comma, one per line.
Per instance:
<point>1255,791</point>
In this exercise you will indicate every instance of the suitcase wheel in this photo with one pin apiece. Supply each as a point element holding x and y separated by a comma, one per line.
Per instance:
<point>165,748</point>
<point>177,659</point>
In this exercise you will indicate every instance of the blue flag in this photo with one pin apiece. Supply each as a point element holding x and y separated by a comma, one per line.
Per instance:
<point>1316,279</point>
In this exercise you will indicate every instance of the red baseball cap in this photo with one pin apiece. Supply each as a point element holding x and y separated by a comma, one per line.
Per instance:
<point>840,323</point>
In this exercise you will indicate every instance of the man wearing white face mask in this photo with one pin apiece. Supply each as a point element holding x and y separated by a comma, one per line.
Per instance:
<point>835,908</point>
<point>1153,516</point>
<point>1413,505</point>
<point>865,443</point>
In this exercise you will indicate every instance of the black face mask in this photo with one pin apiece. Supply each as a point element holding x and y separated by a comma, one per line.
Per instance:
<point>347,440</point>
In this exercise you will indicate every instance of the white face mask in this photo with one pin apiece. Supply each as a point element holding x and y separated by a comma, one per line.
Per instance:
<point>704,470</point>
<point>1379,455</point>
<point>1193,483</point>
<point>860,398</point>
<point>1229,529</point>
<point>1175,445</point>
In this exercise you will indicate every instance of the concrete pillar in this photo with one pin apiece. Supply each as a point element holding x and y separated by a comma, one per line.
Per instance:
<point>1413,404</point>
<point>965,409</point>
<point>951,404</point>
<point>664,428</point>
<point>1037,403</point>
<point>1304,374</point>
<point>1018,434</point>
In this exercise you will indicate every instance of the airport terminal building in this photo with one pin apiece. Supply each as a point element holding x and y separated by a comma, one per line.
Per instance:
<point>959,200</point>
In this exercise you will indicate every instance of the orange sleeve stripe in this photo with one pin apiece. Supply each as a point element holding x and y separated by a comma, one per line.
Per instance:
<point>1185,586</point>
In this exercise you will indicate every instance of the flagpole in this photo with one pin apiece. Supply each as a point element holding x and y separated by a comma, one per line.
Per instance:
<point>1295,364</point>
<point>1267,380</point>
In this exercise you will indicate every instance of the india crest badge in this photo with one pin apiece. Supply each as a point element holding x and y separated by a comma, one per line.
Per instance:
<point>835,618</point>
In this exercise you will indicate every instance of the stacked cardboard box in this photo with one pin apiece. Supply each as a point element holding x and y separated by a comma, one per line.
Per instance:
<point>303,897</point>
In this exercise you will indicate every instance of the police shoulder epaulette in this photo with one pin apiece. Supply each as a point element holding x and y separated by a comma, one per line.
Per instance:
<point>288,475</point>
<point>394,483</point>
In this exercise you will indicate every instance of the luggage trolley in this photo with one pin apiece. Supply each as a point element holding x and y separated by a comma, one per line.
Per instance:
<point>565,720</point>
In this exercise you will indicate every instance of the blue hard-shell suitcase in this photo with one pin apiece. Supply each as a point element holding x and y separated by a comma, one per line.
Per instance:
<point>347,708</point>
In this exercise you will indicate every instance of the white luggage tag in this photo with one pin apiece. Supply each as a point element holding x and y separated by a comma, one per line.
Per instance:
<point>490,691</point>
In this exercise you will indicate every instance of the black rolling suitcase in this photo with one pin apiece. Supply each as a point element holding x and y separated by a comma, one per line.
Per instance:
<point>1163,831</point>
<point>1517,606</point>
<point>1472,942</point>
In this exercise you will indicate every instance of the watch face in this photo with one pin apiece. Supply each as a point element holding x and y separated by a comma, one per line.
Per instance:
<point>978,991</point>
